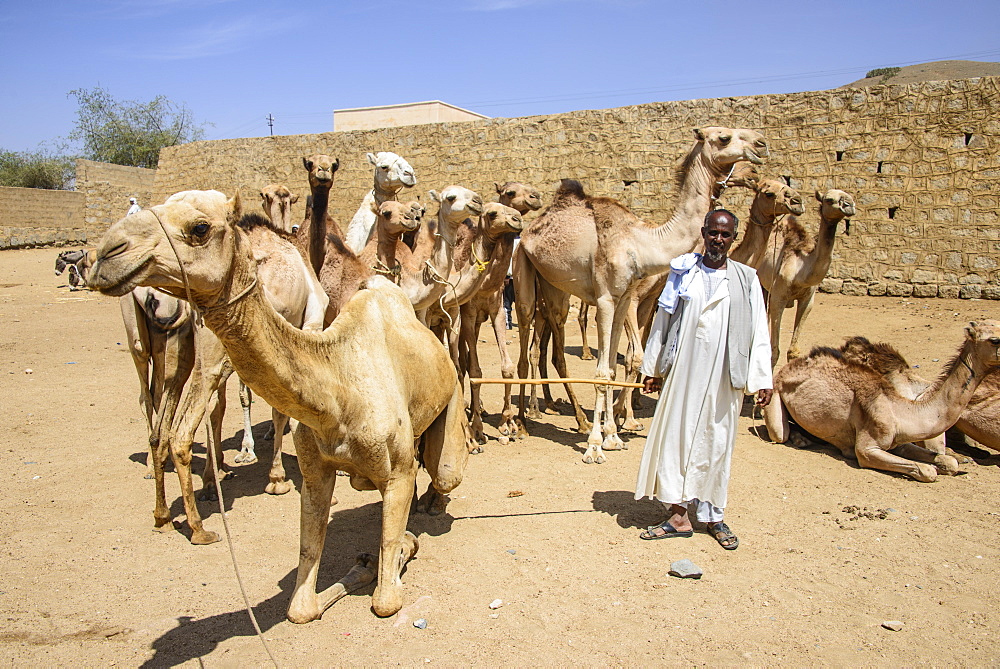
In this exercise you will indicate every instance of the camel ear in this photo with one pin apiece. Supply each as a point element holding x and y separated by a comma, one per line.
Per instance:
<point>970,330</point>
<point>699,134</point>
<point>371,158</point>
<point>434,195</point>
<point>499,187</point>
<point>308,164</point>
<point>819,196</point>
<point>295,198</point>
<point>336,165</point>
<point>376,208</point>
<point>262,196</point>
<point>234,209</point>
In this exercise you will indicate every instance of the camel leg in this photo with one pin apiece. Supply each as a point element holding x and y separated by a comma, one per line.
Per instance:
<point>775,310</point>
<point>191,414</point>
<point>581,319</point>
<point>398,545</point>
<point>633,361</point>
<point>454,332</point>
<point>508,428</point>
<point>871,456</point>
<point>176,361</point>
<point>802,309</point>
<point>605,316</point>
<point>776,420</point>
<point>556,315</point>
<point>247,455</point>
<point>470,362</point>
<point>612,442</point>
<point>524,286</point>
<point>446,452</point>
<point>318,480</point>
<point>216,411</point>
<point>137,337</point>
<point>945,464</point>
<point>277,483</point>
<point>547,404</point>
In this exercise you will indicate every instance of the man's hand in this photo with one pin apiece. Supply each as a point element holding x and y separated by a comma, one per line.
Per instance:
<point>651,384</point>
<point>764,397</point>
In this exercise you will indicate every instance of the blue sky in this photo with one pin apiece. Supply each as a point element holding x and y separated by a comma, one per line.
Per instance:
<point>233,62</point>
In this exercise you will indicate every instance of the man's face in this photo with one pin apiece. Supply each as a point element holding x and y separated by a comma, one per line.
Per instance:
<point>719,234</point>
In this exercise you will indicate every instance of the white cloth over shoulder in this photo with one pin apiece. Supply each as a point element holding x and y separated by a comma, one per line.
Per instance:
<point>691,438</point>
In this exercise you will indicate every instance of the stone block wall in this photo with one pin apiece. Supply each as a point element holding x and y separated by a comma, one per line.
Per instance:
<point>106,189</point>
<point>34,217</point>
<point>922,161</point>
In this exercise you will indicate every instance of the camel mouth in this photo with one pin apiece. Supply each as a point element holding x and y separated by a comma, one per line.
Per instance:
<point>754,157</point>
<point>475,208</point>
<point>408,180</point>
<point>120,286</point>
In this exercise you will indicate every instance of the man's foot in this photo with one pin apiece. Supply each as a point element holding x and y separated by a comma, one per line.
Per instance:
<point>724,535</point>
<point>663,531</point>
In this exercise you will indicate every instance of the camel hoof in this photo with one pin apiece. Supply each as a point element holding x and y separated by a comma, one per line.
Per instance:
<point>630,425</point>
<point>613,443</point>
<point>533,413</point>
<point>204,537</point>
<point>584,427</point>
<point>432,503</point>
<point>586,355</point>
<point>946,464</point>
<point>475,449</point>
<point>279,487</point>
<point>245,458</point>
<point>301,615</point>
<point>925,473</point>
<point>503,439</point>
<point>164,527</point>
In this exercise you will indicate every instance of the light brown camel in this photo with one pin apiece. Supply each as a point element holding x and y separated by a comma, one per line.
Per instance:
<point>597,250</point>
<point>981,418</point>
<point>392,220</point>
<point>311,238</point>
<point>487,304</point>
<point>858,410</point>
<point>277,202</point>
<point>392,174</point>
<point>794,265</point>
<point>479,245</point>
<point>375,393</point>
<point>772,199</point>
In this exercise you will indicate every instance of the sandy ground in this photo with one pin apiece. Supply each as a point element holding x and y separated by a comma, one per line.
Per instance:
<point>85,581</point>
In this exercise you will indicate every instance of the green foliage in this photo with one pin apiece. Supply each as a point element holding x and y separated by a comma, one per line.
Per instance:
<point>129,132</point>
<point>36,170</point>
<point>884,72</point>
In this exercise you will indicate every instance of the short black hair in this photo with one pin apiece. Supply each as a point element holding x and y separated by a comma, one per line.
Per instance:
<point>720,210</point>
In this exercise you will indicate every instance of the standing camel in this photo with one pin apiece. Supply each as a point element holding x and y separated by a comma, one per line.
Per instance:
<point>392,174</point>
<point>375,393</point>
<point>793,265</point>
<point>596,249</point>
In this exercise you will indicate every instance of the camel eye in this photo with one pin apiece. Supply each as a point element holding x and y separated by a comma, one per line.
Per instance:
<point>770,195</point>
<point>995,341</point>
<point>200,230</point>
<point>511,193</point>
<point>725,139</point>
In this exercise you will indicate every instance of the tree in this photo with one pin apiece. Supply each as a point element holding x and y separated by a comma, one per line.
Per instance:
<point>36,169</point>
<point>130,132</point>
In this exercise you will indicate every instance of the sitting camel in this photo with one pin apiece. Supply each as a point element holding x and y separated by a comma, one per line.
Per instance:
<point>794,265</point>
<point>375,393</point>
<point>392,174</point>
<point>858,410</point>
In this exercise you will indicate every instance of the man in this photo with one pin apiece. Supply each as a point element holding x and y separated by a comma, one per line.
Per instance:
<point>133,206</point>
<point>709,344</point>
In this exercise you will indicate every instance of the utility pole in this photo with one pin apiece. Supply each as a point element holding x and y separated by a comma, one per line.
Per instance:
<point>270,124</point>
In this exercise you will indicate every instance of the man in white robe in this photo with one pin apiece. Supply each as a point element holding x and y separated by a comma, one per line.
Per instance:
<point>709,345</point>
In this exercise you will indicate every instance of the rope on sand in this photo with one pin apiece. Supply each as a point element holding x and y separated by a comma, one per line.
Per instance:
<point>540,382</point>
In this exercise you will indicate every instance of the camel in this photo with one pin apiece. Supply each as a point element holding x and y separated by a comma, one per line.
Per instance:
<point>311,238</point>
<point>772,199</point>
<point>793,265</point>
<point>597,250</point>
<point>478,246</point>
<point>392,174</point>
<point>981,418</point>
<point>392,220</point>
<point>375,393</point>
<point>277,202</point>
<point>855,408</point>
<point>487,304</point>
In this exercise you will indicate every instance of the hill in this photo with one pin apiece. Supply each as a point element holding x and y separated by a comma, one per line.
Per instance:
<point>934,71</point>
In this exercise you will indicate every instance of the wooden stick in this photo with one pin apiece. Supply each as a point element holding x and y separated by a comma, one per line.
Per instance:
<point>540,382</point>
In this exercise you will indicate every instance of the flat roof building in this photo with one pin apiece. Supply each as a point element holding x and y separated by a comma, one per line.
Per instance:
<point>388,116</point>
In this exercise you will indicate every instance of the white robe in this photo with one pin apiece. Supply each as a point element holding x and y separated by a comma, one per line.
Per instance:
<point>691,438</point>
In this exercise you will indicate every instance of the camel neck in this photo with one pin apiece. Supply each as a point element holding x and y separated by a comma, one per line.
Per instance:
<point>939,407</point>
<point>758,231</point>
<point>317,227</point>
<point>382,194</point>
<point>822,254</point>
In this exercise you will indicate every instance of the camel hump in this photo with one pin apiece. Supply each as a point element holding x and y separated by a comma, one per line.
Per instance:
<point>251,221</point>
<point>797,239</point>
<point>569,191</point>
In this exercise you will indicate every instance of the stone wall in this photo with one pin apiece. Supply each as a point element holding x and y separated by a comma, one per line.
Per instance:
<point>922,161</point>
<point>35,217</point>
<point>107,188</point>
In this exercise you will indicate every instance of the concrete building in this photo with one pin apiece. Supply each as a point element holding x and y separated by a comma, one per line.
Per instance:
<point>390,116</point>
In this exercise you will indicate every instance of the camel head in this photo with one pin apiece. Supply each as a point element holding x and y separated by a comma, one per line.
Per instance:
<point>392,173</point>
<point>982,341</point>
<point>277,202</point>
<point>721,148</point>
<point>774,198</point>
<point>201,226</point>
<point>835,204</point>
<point>396,218</point>
<point>498,219</point>
<point>418,209</point>
<point>519,196</point>
<point>321,169</point>
<point>744,175</point>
